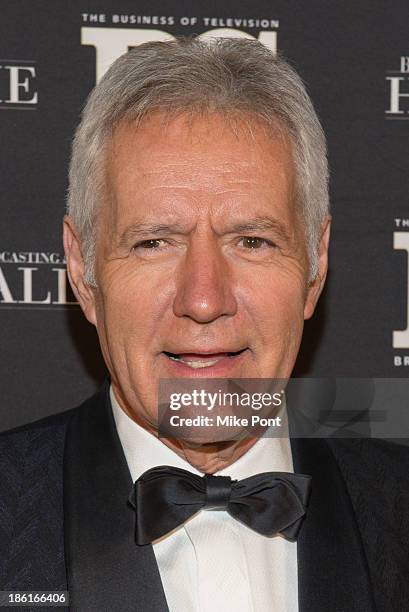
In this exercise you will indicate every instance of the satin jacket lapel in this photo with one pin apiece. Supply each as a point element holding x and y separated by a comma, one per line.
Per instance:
<point>106,570</point>
<point>332,570</point>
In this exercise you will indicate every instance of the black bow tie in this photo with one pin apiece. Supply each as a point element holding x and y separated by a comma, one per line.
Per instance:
<point>165,497</point>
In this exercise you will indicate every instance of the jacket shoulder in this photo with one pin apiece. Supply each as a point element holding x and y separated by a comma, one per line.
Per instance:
<point>376,475</point>
<point>18,436</point>
<point>34,443</point>
<point>376,472</point>
<point>31,492</point>
<point>380,461</point>
<point>31,486</point>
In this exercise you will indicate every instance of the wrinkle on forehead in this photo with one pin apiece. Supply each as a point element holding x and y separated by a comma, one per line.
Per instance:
<point>165,155</point>
<point>167,165</point>
<point>195,166</point>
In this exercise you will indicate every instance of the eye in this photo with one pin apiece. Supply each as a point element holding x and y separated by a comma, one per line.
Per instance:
<point>151,243</point>
<point>255,243</point>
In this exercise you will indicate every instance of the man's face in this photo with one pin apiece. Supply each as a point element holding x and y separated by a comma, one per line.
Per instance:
<point>201,262</point>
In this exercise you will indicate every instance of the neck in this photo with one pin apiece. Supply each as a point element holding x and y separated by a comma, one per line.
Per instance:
<point>210,457</point>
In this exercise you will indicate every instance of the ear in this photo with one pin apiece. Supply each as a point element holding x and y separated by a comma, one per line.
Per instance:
<point>316,286</point>
<point>76,270</point>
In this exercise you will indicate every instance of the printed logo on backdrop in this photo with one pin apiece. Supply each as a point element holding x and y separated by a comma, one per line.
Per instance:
<point>34,279</point>
<point>397,108</point>
<point>112,34</point>
<point>398,91</point>
<point>400,338</point>
<point>18,89</point>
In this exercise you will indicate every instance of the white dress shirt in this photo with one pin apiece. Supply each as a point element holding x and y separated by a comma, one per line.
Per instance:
<point>214,563</point>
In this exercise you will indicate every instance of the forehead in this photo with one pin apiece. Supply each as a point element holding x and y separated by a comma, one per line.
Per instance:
<point>198,162</point>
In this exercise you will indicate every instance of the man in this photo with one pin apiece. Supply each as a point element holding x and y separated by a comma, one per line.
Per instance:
<point>196,242</point>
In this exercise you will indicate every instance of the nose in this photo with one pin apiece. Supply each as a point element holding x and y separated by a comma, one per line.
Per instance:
<point>204,284</point>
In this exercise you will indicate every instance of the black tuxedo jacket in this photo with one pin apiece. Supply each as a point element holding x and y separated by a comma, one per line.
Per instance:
<point>65,522</point>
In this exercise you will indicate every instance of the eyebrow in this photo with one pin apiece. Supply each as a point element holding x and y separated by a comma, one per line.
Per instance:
<point>260,224</point>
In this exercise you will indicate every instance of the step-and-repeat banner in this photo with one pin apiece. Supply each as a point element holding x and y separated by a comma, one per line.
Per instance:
<point>354,58</point>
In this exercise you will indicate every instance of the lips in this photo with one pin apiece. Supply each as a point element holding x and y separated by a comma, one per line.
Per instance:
<point>202,360</point>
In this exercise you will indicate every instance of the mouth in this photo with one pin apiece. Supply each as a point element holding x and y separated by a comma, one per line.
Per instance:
<point>199,361</point>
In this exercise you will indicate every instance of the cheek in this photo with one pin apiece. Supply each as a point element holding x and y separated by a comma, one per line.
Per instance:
<point>275,305</point>
<point>131,309</point>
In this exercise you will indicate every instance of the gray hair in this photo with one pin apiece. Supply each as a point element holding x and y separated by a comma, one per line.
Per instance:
<point>226,75</point>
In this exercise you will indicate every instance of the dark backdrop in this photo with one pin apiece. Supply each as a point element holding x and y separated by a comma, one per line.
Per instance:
<point>354,58</point>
